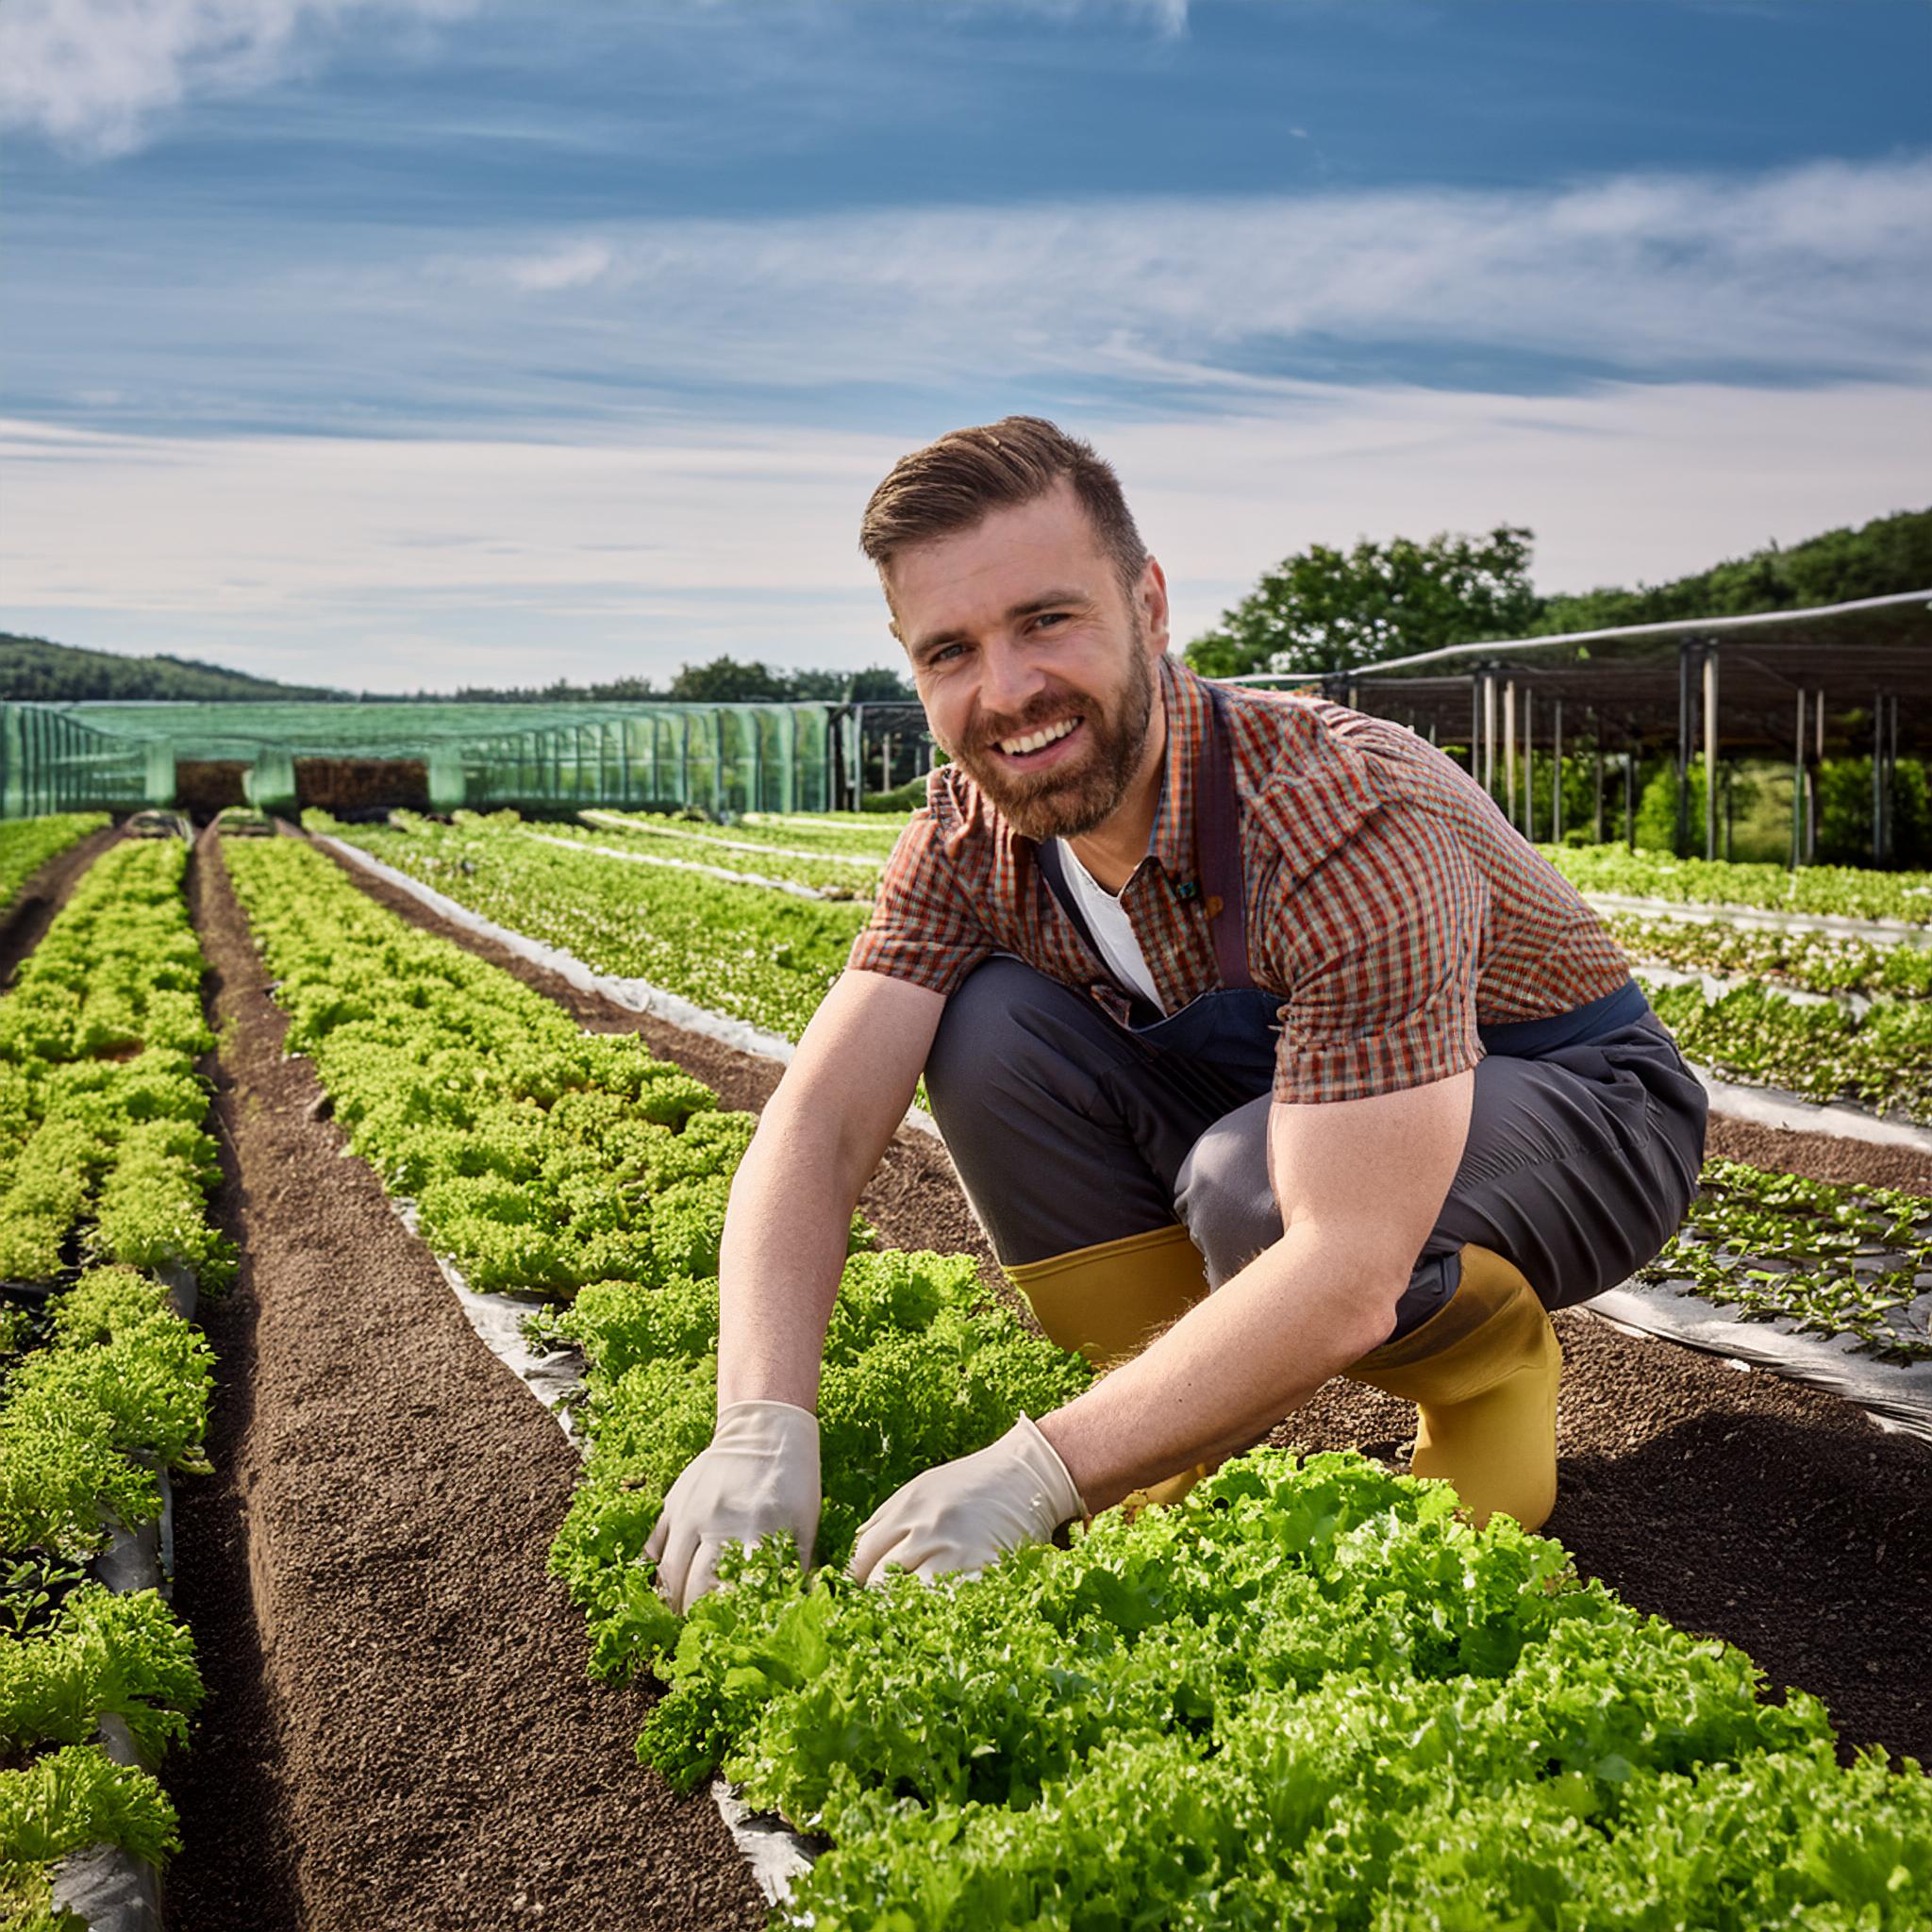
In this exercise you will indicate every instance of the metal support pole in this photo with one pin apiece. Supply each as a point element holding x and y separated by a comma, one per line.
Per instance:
<point>1798,791</point>
<point>1879,854</point>
<point>1528,764</point>
<point>1476,725</point>
<point>1683,837</point>
<point>1490,732</point>
<point>1630,799</point>
<point>1509,750</point>
<point>1711,751</point>
<point>1596,758</point>
<point>1556,784</point>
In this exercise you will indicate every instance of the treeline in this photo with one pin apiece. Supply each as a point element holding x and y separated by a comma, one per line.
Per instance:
<point>1880,558</point>
<point>1328,609</point>
<point>33,671</point>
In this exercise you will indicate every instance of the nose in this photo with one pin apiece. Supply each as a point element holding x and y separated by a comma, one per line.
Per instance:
<point>1009,678</point>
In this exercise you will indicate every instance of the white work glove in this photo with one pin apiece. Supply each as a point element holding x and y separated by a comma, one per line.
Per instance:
<point>760,1477</point>
<point>961,1515</point>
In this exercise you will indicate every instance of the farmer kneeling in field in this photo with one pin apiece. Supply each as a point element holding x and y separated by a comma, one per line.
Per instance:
<point>1213,990</point>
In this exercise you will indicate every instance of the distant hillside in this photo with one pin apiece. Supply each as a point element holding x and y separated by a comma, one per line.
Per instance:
<point>1887,554</point>
<point>34,671</point>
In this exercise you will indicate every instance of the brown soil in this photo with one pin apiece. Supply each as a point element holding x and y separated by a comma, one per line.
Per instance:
<point>32,909</point>
<point>399,1731</point>
<point>1733,1504</point>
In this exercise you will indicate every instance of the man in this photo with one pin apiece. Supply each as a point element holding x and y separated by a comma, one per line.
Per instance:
<point>1212,990</point>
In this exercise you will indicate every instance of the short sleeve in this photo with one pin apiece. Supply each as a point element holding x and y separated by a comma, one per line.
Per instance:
<point>1385,936</point>
<point>923,928</point>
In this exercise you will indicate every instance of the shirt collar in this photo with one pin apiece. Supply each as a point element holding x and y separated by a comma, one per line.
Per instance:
<point>1188,708</point>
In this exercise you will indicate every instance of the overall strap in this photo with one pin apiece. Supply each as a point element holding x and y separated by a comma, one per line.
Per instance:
<point>1217,859</point>
<point>1218,849</point>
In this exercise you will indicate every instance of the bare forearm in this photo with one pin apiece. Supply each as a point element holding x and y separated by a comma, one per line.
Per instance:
<point>1227,1372</point>
<point>785,1242</point>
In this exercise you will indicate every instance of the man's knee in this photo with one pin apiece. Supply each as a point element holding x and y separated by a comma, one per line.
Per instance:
<point>990,1042</point>
<point>1223,1194</point>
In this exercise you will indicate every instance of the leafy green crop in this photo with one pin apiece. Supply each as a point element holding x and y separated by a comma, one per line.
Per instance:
<point>1834,1259</point>
<point>1310,1694</point>
<point>103,1156</point>
<point>1883,1060</point>
<point>1846,892</point>
<point>1810,961</point>
<point>759,955</point>
<point>26,844</point>
<point>66,1802</point>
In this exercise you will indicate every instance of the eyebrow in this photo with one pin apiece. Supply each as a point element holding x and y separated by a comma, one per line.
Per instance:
<point>1049,600</point>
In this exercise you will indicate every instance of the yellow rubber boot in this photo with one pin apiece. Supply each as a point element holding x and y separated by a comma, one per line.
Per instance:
<point>1109,1301</point>
<point>1482,1371</point>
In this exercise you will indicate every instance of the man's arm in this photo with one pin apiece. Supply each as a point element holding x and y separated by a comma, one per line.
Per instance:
<point>820,1138</point>
<point>817,1141</point>
<point>1360,1184</point>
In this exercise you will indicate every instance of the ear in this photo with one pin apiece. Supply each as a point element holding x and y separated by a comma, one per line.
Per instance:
<point>1150,595</point>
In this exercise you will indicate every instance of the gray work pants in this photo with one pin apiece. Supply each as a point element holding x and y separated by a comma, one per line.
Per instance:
<point>1068,1130</point>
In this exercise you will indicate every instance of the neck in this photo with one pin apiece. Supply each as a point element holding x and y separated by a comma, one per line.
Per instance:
<point>1115,847</point>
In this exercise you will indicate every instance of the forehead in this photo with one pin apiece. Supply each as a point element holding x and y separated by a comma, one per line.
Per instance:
<point>975,576</point>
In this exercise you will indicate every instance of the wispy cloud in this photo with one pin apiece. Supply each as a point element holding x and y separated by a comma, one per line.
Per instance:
<point>1814,272</point>
<point>91,74</point>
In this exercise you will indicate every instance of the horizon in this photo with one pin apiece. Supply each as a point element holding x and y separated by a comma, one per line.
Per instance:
<point>422,344</point>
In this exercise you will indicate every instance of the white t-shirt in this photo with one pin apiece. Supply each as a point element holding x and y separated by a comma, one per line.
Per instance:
<point>1113,932</point>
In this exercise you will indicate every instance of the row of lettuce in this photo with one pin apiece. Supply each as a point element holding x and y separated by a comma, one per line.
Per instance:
<point>1311,1695</point>
<point>26,844</point>
<point>104,1169</point>
<point>767,958</point>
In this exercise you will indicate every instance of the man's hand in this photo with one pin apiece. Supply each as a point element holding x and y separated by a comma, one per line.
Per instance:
<point>961,1515</point>
<point>760,1477</point>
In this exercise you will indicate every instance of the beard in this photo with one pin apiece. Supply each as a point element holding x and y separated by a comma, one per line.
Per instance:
<point>1075,797</point>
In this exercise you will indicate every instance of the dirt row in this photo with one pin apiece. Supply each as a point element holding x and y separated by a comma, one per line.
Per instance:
<point>399,1732</point>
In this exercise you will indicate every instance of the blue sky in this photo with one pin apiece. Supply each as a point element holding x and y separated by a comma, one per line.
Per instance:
<point>399,344</point>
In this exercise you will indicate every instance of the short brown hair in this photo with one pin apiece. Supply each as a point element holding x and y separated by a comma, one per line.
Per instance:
<point>952,484</point>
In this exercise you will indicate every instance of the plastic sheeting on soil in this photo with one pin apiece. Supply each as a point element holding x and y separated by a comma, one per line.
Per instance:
<point>1772,1107</point>
<point>1881,931</point>
<point>109,1889</point>
<point>714,871</point>
<point>1896,1396</point>
<point>633,995</point>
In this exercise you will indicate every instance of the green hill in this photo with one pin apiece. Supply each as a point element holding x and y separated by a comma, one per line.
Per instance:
<point>34,671</point>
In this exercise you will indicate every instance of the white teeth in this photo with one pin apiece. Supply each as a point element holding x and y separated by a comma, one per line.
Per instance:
<point>1036,741</point>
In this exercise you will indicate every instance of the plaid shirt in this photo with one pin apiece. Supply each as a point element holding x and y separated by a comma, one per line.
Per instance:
<point>1389,903</point>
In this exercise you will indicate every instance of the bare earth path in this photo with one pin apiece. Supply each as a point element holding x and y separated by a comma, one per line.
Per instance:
<point>1733,1504</point>
<point>399,1732</point>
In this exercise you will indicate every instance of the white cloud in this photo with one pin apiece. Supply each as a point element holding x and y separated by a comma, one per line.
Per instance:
<point>90,74</point>
<point>572,266</point>
<point>1817,270</point>
<point>394,564</point>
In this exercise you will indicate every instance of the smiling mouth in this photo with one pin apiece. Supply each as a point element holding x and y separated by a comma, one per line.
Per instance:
<point>1029,744</point>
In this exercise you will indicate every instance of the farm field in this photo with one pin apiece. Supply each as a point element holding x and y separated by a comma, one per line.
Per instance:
<point>364,1565</point>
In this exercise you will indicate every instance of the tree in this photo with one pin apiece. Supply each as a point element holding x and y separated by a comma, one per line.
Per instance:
<point>1324,610</point>
<point>726,681</point>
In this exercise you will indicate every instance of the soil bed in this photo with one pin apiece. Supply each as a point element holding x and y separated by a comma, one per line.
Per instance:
<point>399,1730</point>
<point>43,894</point>
<point>1733,1503</point>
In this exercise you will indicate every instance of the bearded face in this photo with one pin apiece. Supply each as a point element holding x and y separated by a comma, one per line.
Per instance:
<point>1071,790</point>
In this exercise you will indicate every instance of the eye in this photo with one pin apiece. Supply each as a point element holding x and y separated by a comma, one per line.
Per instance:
<point>944,654</point>
<point>1048,617</point>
